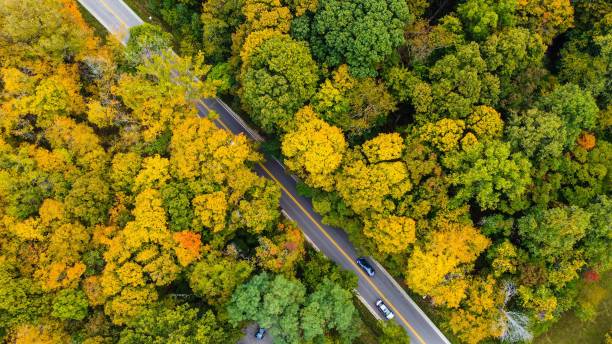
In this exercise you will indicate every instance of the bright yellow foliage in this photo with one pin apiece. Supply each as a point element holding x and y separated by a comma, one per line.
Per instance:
<point>51,210</point>
<point>314,150</point>
<point>25,230</point>
<point>129,303</point>
<point>485,122</point>
<point>449,251</point>
<point>154,173</point>
<point>505,260</point>
<point>383,147</point>
<point>199,149</point>
<point>211,210</point>
<point>444,134</point>
<point>481,316</point>
<point>100,115</point>
<point>372,187</point>
<point>391,234</point>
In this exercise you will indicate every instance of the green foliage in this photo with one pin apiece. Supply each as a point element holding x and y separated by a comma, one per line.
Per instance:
<point>329,308</point>
<point>184,20</point>
<point>359,33</point>
<point>393,333</point>
<point>491,174</point>
<point>216,277</point>
<point>89,199</point>
<point>278,79</point>
<point>575,106</point>
<point>177,203</point>
<point>284,307</point>
<point>70,304</point>
<point>540,135</point>
<point>483,17</point>
<point>145,41</point>
<point>219,20</point>
<point>458,82</point>
<point>553,233</point>
<point>177,324</point>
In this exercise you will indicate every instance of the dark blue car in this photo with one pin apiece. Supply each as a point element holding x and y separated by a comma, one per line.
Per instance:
<point>363,263</point>
<point>260,333</point>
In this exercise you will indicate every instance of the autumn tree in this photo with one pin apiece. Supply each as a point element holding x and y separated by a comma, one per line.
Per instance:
<point>163,92</point>
<point>438,267</point>
<point>46,30</point>
<point>355,105</point>
<point>314,150</point>
<point>282,252</point>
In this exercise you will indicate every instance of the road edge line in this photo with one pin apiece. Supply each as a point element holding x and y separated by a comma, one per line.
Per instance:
<point>410,300</point>
<point>375,314</point>
<point>310,241</point>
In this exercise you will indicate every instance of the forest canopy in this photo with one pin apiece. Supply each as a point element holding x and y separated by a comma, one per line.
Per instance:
<point>464,144</point>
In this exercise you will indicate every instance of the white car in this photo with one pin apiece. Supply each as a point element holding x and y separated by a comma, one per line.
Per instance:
<point>384,310</point>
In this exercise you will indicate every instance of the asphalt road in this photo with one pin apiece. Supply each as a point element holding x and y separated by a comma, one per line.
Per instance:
<point>117,17</point>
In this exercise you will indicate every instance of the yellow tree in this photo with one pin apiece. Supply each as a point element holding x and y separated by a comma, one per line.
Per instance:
<point>384,147</point>
<point>138,258</point>
<point>372,187</point>
<point>480,316</point>
<point>391,234</point>
<point>201,150</point>
<point>439,267</point>
<point>164,92</point>
<point>314,150</point>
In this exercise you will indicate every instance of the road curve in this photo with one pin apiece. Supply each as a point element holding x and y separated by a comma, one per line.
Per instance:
<point>117,17</point>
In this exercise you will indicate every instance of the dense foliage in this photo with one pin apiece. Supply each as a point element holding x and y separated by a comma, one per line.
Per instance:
<point>464,144</point>
<point>126,218</point>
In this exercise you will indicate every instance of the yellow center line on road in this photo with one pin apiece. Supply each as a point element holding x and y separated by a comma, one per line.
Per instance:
<point>329,237</point>
<point>112,12</point>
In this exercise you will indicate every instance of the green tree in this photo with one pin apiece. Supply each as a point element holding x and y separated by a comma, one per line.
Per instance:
<point>552,233</point>
<point>329,308</point>
<point>146,41</point>
<point>90,199</point>
<point>483,17</point>
<point>576,107</point>
<point>175,324</point>
<point>220,19</point>
<point>70,304</point>
<point>491,174</point>
<point>540,135</point>
<point>177,203</point>
<point>273,303</point>
<point>515,56</point>
<point>359,33</point>
<point>215,277</point>
<point>392,333</point>
<point>458,82</point>
<point>597,243</point>
<point>278,79</point>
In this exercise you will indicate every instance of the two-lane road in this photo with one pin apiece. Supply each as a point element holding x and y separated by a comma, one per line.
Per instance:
<point>117,17</point>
